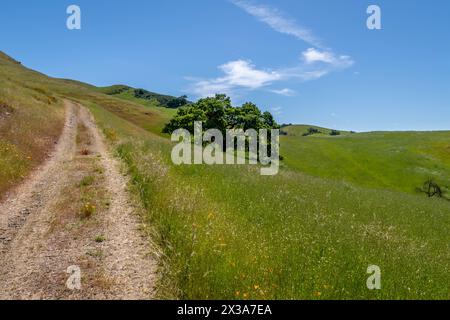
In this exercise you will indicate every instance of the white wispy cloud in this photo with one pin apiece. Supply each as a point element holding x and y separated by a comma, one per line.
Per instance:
<point>313,75</point>
<point>244,73</point>
<point>277,110</point>
<point>313,55</point>
<point>284,92</point>
<point>240,74</point>
<point>277,21</point>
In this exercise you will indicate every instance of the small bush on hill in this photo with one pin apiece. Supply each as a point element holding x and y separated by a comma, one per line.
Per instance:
<point>117,89</point>
<point>335,133</point>
<point>431,189</point>
<point>311,131</point>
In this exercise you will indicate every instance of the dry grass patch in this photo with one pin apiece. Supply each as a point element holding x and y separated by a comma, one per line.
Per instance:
<point>84,140</point>
<point>30,125</point>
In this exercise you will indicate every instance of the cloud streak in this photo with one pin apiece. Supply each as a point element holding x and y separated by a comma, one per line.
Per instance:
<point>236,74</point>
<point>284,92</point>
<point>278,22</point>
<point>313,56</point>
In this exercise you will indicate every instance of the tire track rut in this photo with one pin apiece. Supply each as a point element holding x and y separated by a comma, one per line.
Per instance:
<point>42,233</point>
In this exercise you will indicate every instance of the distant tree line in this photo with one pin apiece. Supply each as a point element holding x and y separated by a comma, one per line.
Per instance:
<point>164,100</point>
<point>311,131</point>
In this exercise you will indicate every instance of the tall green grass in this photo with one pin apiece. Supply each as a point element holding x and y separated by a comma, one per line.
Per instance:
<point>229,233</point>
<point>400,161</point>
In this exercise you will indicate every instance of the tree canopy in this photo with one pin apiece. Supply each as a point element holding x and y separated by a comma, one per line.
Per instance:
<point>218,113</point>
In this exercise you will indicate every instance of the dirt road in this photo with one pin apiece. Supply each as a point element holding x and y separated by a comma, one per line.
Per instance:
<point>74,215</point>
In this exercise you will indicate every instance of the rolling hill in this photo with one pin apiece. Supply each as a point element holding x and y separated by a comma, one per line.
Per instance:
<point>387,160</point>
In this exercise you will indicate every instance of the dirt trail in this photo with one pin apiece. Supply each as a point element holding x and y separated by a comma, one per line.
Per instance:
<point>74,212</point>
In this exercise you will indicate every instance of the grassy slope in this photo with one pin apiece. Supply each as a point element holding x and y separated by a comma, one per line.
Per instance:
<point>391,160</point>
<point>31,119</point>
<point>227,232</point>
<point>162,114</point>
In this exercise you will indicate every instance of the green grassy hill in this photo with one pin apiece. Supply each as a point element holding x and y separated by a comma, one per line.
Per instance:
<point>31,119</point>
<point>389,160</point>
<point>162,114</point>
<point>228,233</point>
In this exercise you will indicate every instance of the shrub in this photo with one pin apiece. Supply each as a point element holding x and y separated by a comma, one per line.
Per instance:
<point>335,133</point>
<point>431,189</point>
<point>311,131</point>
<point>100,239</point>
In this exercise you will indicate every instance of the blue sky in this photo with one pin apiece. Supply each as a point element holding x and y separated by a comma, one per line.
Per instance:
<point>306,61</point>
